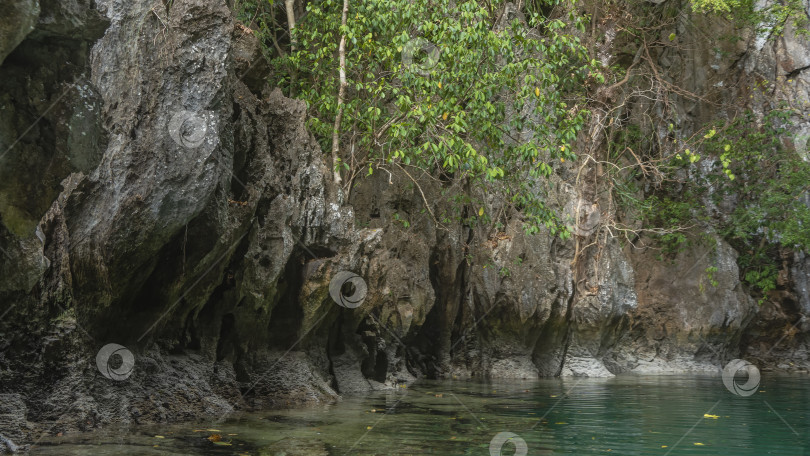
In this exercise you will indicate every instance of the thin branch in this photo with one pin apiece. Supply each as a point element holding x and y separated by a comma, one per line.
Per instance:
<point>419,187</point>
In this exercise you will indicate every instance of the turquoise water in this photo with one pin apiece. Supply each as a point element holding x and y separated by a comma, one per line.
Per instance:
<point>627,415</point>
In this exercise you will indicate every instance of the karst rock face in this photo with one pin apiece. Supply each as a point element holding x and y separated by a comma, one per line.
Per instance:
<point>157,194</point>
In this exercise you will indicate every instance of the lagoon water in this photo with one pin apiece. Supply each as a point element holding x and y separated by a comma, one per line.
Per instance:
<point>626,415</point>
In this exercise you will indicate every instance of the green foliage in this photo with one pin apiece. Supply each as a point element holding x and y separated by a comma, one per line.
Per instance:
<point>266,18</point>
<point>773,180</point>
<point>716,6</point>
<point>770,18</point>
<point>488,105</point>
<point>710,274</point>
<point>770,195</point>
<point>402,220</point>
<point>760,184</point>
<point>760,271</point>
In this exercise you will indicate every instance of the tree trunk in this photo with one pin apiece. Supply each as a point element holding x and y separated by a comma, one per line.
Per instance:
<point>341,94</point>
<point>289,6</point>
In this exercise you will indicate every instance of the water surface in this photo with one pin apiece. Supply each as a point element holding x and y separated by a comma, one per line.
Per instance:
<point>626,415</point>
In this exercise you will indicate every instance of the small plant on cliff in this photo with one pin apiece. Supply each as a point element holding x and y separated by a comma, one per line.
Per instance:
<point>755,189</point>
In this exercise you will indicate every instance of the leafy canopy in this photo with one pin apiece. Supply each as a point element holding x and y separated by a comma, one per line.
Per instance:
<point>446,87</point>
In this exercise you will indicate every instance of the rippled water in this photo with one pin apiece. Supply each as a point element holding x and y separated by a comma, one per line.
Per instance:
<point>627,415</point>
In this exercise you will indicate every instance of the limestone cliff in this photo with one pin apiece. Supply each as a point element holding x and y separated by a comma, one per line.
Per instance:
<point>157,194</point>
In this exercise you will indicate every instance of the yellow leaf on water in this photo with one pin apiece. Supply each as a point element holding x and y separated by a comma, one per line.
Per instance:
<point>698,444</point>
<point>213,430</point>
<point>714,417</point>
<point>368,427</point>
<point>159,437</point>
